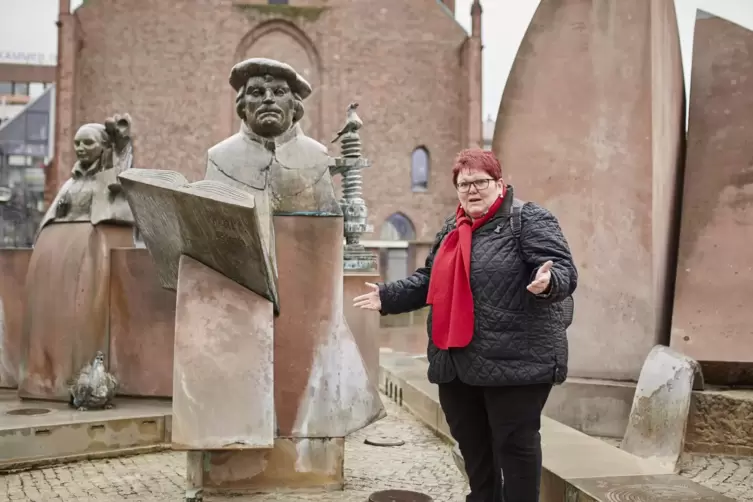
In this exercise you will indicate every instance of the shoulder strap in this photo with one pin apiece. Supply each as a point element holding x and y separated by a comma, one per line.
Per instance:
<point>516,225</point>
<point>515,222</point>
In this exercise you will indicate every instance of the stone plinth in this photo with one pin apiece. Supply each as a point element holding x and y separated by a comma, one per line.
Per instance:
<point>590,126</point>
<point>14,264</point>
<point>223,376</point>
<point>41,433</point>
<point>714,291</point>
<point>322,387</point>
<point>66,315</point>
<point>363,324</point>
<point>293,464</point>
<point>142,326</point>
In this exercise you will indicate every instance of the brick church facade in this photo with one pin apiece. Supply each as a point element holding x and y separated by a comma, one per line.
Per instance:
<point>414,70</point>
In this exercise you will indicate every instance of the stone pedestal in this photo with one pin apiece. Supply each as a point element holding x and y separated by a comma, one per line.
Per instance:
<point>714,291</point>
<point>223,375</point>
<point>67,302</point>
<point>142,326</point>
<point>14,264</point>
<point>364,324</point>
<point>321,384</point>
<point>283,468</point>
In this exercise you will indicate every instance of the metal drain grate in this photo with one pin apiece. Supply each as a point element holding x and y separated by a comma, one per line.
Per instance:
<point>399,496</point>
<point>28,411</point>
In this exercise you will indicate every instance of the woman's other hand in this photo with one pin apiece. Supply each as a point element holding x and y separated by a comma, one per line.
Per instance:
<point>369,301</point>
<point>543,276</point>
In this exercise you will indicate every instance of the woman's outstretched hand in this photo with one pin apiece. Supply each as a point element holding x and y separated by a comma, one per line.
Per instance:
<point>543,277</point>
<point>369,301</point>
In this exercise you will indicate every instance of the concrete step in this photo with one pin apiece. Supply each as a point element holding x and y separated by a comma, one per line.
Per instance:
<point>577,467</point>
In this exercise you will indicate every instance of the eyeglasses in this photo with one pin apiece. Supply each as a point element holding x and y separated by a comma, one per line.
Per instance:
<point>465,186</point>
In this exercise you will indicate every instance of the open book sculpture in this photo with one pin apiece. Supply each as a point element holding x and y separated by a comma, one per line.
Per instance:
<point>209,221</point>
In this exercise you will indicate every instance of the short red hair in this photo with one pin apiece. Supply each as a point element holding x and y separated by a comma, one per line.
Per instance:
<point>476,158</point>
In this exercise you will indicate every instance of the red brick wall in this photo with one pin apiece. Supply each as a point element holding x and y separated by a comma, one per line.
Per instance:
<point>167,63</point>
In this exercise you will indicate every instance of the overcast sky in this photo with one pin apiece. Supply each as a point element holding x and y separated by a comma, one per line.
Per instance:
<point>29,26</point>
<point>505,22</point>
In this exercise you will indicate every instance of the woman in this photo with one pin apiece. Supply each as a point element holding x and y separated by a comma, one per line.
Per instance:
<point>495,278</point>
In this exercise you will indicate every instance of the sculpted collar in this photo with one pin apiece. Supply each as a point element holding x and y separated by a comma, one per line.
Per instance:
<point>80,172</point>
<point>276,142</point>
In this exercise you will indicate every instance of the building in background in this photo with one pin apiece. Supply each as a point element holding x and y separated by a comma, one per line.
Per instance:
<point>26,115</point>
<point>414,70</point>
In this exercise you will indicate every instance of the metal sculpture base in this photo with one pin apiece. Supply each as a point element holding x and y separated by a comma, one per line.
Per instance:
<point>399,496</point>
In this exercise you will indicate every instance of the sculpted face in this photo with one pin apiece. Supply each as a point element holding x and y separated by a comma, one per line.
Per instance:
<point>88,145</point>
<point>269,106</point>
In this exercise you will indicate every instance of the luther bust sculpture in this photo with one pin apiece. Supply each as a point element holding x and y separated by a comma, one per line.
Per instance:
<point>270,156</point>
<point>303,364</point>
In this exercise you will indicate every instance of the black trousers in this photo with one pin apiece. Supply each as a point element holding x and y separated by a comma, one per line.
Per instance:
<point>497,430</point>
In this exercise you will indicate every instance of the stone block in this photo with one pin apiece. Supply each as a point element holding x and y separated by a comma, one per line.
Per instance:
<point>720,423</point>
<point>322,385</point>
<point>422,399</point>
<point>659,415</point>
<point>67,308</point>
<point>293,464</point>
<point>364,324</point>
<point>223,381</point>
<point>39,433</point>
<point>594,407</point>
<point>14,263</point>
<point>713,292</point>
<point>666,488</point>
<point>142,326</point>
<point>594,107</point>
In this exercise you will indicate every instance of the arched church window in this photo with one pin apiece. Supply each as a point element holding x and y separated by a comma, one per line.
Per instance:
<point>398,227</point>
<point>419,169</point>
<point>395,260</point>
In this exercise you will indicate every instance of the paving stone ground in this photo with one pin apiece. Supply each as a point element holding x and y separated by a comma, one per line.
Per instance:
<point>731,476</point>
<point>423,464</point>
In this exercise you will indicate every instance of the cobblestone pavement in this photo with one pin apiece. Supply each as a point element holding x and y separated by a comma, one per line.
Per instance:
<point>731,476</point>
<point>423,464</point>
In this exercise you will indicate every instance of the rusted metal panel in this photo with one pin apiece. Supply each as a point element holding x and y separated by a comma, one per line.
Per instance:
<point>714,293</point>
<point>142,325</point>
<point>67,298</point>
<point>14,264</point>
<point>322,386</point>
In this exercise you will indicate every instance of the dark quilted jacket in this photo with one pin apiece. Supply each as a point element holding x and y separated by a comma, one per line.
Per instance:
<point>519,338</point>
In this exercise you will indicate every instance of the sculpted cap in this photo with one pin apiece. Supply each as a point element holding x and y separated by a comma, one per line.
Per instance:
<point>254,67</point>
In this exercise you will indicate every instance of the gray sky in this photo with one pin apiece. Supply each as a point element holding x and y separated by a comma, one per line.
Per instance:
<point>29,26</point>
<point>505,22</point>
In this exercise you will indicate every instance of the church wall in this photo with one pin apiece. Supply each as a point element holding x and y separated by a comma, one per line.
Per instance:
<point>167,63</point>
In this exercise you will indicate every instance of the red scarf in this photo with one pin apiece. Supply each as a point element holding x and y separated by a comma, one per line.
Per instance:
<point>450,296</point>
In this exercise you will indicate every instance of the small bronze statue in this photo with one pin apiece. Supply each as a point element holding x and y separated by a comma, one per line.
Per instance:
<point>94,388</point>
<point>93,193</point>
<point>352,122</point>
